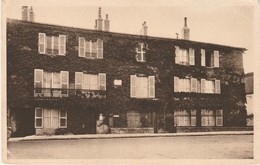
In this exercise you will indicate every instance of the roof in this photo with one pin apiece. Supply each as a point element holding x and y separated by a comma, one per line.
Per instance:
<point>10,20</point>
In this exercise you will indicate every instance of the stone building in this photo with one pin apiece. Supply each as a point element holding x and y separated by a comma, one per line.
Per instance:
<point>66,80</point>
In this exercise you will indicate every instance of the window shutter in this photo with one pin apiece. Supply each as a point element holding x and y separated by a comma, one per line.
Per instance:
<point>177,54</point>
<point>219,117</point>
<point>203,57</point>
<point>216,58</point>
<point>217,86</point>
<point>62,44</point>
<point>78,80</point>
<point>151,86</point>
<point>192,56</point>
<point>41,43</point>
<point>102,81</point>
<point>99,48</point>
<point>81,47</point>
<point>64,82</point>
<point>38,123</point>
<point>176,84</point>
<point>203,86</point>
<point>193,85</point>
<point>38,81</point>
<point>132,84</point>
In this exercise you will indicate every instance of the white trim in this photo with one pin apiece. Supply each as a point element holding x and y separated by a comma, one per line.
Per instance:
<point>62,45</point>
<point>43,43</point>
<point>203,57</point>
<point>142,52</point>
<point>151,86</point>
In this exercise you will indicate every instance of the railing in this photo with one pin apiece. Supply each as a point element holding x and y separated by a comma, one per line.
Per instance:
<point>58,92</point>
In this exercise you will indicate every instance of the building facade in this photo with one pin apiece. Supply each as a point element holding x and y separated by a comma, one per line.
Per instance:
<point>71,80</point>
<point>249,89</point>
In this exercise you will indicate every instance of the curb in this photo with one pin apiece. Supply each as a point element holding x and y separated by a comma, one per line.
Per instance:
<point>112,136</point>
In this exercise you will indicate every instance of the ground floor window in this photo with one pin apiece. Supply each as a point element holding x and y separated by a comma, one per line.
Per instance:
<point>137,119</point>
<point>50,118</point>
<point>185,118</point>
<point>211,117</point>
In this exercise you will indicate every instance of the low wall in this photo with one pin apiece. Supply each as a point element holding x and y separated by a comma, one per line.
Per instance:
<point>45,131</point>
<point>131,130</point>
<point>209,129</point>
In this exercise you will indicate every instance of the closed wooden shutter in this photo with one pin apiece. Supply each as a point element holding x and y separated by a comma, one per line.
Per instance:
<point>88,49</point>
<point>217,87</point>
<point>203,57</point>
<point>193,85</point>
<point>62,44</point>
<point>219,117</point>
<point>94,49</point>
<point>99,48</point>
<point>64,83</point>
<point>216,58</point>
<point>176,84</point>
<point>38,81</point>
<point>177,54</point>
<point>151,86</point>
<point>192,56</point>
<point>78,80</point>
<point>102,81</point>
<point>132,84</point>
<point>81,47</point>
<point>41,43</point>
<point>38,123</point>
<point>198,86</point>
<point>203,86</point>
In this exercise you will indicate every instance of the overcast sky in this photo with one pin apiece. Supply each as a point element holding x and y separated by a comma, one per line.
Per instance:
<point>222,22</point>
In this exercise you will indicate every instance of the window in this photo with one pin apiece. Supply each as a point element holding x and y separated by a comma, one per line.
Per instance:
<point>210,59</point>
<point>38,118</point>
<point>90,81</point>
<point>90,49</point>
<point>52,45</point>
<point>211,117</point>
<point>50,118</point>
<point>142,87</point>
<point>184,56</point>
<point>185,118</point>
<point>140,53</point>
<point>196,86</point>
<point>50,83</point>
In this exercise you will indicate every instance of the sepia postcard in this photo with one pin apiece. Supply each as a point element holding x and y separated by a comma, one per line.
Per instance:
<point>130,82</point>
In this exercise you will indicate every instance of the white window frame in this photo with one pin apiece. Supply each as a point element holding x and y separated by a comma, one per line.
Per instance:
<point>62,45</point>
<point>142,52</point>
<point>203,57</point>
<point>35,118</point>
<point>66,118</point>
<point>35,81</point>
<point>150,86</point>
<point>42,36</point>
<point>216,58</point>
<point>102,85</point>
<point>88,48</point>
<point>64,83</point>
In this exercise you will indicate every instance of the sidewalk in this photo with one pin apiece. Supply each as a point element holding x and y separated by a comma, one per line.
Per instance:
<point>109,136</point>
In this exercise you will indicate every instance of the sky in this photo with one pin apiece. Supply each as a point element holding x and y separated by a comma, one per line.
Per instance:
<point>228,22</point>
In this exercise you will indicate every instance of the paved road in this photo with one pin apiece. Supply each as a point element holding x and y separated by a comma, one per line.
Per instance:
<point>185,147</point>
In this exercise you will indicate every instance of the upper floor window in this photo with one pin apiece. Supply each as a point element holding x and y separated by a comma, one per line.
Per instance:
<point>51,84</point>
<point>53,45</point>
<point>140,52</point>
<point>196,86</point>
<point>90,49</point>
<point>184,56</point>
<point>142,87</point>
<point>90,81</point>
<point>210,59</point>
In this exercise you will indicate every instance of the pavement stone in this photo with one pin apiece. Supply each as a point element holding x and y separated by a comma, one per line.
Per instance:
<point>109,136</point>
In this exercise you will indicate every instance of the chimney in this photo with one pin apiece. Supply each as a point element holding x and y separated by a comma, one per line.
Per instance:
<point>25,14</point>
<point>31,15</point>
<point>95,27</point>
<point>99,20</point>
<point>144,29</point>
<point>106,24</point>
<point>185,30</point>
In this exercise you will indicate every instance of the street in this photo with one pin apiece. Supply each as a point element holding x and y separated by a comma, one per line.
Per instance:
<point>182,147</point>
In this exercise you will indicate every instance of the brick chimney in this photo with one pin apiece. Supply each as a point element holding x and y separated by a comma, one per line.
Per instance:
<point>185,30</point>
<point>99,20</point>
<point>106,23</point>
<point>144,29</point>
<point>27,15</point>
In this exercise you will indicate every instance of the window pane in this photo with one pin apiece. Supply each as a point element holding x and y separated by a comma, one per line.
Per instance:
<point>38,123</point>
<point>56,80</point>
<point>94,82</point>
<point>47,79</point>
<point>49,44</point>
<point>38,112</point>
<point>63,113</point>
<point>56,45</point>
<point>63,122</point>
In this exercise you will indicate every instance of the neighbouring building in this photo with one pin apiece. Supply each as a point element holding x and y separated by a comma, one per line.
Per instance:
<point>69,79</point>
<point>249,88</point>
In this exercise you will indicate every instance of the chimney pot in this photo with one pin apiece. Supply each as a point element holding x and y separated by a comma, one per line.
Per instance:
<point>185,30</point>
<point>106,23</point>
